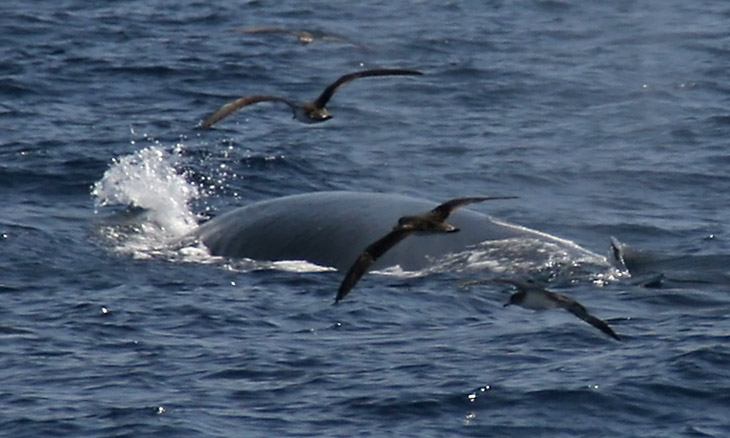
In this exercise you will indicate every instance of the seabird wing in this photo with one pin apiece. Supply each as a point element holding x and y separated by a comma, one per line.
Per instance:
<point>516,283</point>
<point>303,36</point>
<point>372,253</point>
<point>443,211</point>
<point>330,90</point>
<point>267,30</point>
<point>237,104</point>
<point>578,310</point>
<point>339,38</point>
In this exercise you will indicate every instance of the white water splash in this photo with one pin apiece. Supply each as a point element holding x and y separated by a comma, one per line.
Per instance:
<point>156,196</point>
<point>520,257</point>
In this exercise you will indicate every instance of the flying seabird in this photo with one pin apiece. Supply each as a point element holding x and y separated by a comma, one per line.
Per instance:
<point>531,296</point>
<point>308,112</point>
<point>303,36</point>
<point>433,221</point>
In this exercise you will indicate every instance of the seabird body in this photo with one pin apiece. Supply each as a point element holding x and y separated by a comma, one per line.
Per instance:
<point>531,296</point>
<point>307,112</point>
<point>433,221</point>
<point>303,36</point>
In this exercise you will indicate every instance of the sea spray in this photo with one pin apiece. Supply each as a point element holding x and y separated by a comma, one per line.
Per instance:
<point>156,198</point>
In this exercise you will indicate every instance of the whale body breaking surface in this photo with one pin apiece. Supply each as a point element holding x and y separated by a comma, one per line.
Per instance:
<point>332,228</point>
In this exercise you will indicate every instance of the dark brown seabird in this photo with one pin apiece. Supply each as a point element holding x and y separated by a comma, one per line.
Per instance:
<point>308,112</point>
<point>531,296</point>
<point>433,221</point>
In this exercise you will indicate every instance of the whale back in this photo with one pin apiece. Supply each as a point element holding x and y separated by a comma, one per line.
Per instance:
<point>333,228</point>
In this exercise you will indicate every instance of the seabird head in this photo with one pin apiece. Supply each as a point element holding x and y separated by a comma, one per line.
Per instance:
<point>310,113</point>
<point>422,223</point>
<point>447,228</point>
<point>319,115</point>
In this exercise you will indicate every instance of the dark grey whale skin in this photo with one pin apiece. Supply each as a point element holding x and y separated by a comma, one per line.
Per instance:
<point>332,228</point>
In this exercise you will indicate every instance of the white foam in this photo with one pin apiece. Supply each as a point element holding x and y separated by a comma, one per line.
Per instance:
<point>520,256</point>
<point>148,181</point>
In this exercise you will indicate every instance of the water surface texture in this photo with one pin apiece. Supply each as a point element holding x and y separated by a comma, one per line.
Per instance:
<point>606,119</point>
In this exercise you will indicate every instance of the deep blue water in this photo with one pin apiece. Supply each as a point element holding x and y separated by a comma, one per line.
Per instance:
<point>605,118</point>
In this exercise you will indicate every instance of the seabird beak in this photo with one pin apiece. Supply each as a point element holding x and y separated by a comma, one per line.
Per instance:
<point>448,228</point>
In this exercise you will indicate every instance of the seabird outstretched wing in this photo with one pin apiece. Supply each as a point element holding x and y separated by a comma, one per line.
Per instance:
<point>442,212</point>
<point>432,221</point>
<point>578,310</point>
<point>237,104</point>
<point>366,259</point>
<point>328,92</point>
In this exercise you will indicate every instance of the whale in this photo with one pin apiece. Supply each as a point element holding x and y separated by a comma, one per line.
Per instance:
<point>332,228</point>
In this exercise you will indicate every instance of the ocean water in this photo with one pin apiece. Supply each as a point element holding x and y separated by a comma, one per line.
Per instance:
<point>606,119</point>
